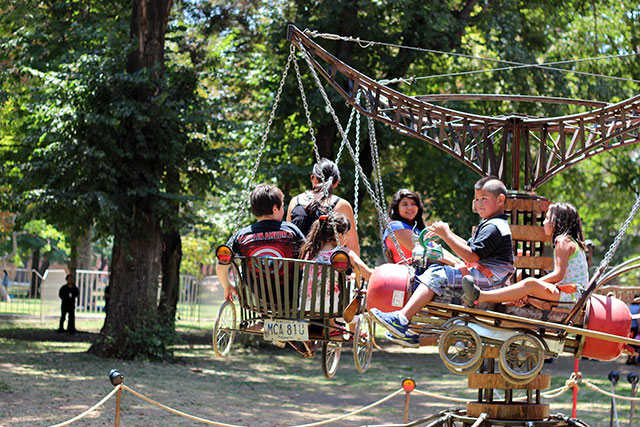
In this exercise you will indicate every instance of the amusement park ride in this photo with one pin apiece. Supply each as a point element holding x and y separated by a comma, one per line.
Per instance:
<point>496,346</point>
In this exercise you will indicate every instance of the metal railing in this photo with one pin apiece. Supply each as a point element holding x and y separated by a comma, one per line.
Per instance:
<point>23,295</point>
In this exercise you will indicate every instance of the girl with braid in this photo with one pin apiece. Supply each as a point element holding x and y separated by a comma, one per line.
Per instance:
<point>321,244</point>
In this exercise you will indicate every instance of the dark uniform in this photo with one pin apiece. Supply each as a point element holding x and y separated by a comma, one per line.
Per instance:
<point>68,295</point>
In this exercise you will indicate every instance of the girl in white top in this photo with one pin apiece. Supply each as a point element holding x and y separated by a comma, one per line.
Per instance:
<point>570,274</point>
<point>321,244</point>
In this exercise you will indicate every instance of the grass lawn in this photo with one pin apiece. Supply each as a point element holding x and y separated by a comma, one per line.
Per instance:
<point>47,378</point>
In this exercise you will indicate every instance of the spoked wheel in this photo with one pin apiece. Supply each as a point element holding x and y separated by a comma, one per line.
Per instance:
<point>363,343</point>
<point>460,349</point>
<point>330,358</point>
<point>521,358</point>
<point>223,333</point>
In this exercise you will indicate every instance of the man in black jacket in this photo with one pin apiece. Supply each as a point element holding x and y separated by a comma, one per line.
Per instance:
<point>68,294</point>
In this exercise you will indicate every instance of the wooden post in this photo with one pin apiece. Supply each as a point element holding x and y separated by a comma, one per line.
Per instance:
<point>408,385</point>
<point>407,398</point>
<point>118,396</point>
<point>116,379</point>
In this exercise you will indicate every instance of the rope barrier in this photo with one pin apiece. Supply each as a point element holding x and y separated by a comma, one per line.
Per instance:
<point>606,393</point>
<point>572,382</point>
<point>439,396</point>
<point>93,408</point>
<point>175,411</point>
<point>357,411</point>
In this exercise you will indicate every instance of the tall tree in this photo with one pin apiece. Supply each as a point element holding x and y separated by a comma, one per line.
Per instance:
<point>109,136</point>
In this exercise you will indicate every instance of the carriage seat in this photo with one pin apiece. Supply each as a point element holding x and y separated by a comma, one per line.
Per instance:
<point>277,288</point>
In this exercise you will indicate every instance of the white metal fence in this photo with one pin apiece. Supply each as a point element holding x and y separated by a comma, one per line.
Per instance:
<point>27,293</point>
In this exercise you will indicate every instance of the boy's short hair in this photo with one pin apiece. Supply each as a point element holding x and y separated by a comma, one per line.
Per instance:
<point>264,197</point>
<point>491,184</point>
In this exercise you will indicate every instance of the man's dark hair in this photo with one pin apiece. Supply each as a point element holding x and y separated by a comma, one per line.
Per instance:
<point>67,278</point>
<point>491,184</point>
<point>264,197</point>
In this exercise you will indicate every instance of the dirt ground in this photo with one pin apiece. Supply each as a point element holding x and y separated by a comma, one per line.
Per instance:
<point>47,378</point>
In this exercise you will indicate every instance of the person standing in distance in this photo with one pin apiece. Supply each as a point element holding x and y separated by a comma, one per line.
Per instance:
<point>68,294</point>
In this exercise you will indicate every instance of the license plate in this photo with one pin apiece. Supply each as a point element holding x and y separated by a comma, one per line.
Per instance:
<point>285,330</point>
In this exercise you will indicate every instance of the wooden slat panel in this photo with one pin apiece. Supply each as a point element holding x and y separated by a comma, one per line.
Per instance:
<point>513,411</point>
<point>497,381</point>
<point>539,263</point>
<point>304,288</point>
<point>529,233</point>
<point>531,205</point>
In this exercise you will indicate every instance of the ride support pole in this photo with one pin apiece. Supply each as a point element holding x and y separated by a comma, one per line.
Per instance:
<point>633,379</point>
<point>576,363</point>
<point>408,385</point>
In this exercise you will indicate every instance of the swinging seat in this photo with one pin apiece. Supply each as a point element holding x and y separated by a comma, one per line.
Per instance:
<point>277,288</point>
<point>295,301</point>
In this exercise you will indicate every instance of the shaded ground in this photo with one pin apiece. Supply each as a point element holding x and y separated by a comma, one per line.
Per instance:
<point>47,378</point>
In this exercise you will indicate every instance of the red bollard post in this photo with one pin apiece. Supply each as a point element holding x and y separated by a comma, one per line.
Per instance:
<point>576,362</point>
<point>408,385</point>
<point>117,378</point>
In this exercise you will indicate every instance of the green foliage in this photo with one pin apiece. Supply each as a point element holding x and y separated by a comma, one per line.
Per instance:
<point>99,143</point>
<point>152,338</point>
<point>195,253</point>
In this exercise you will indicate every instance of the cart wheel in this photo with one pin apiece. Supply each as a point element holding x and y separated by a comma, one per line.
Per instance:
<point>521,358</point>
<point>223,333</point>
<point>460,349</point>
<point>363,343</point>
<point>330,358</point>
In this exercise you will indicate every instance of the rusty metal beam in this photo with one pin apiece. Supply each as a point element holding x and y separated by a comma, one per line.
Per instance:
<point>524,151</point>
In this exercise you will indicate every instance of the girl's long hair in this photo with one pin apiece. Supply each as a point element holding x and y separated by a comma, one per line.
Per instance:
<point>566,222</point>
<point>322,232</point>
<point>394,213</point>
<point>328,171</point>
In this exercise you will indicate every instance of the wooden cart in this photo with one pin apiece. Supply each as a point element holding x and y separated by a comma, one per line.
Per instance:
<point>275,300</point>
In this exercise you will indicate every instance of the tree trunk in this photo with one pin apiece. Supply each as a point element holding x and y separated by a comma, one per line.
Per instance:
<point>134,290</point>
<point>148,26</point>
<point>130,327</point>
<point>171,258</point>
<point>85,251</point>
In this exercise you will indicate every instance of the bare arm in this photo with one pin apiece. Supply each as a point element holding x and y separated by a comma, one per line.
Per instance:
<point>457,244</point>
<point>223,275</point>
<point>564,248</point>
<point>404,238</point>
<point>345,209</point>
<point>290,208</point>
<point>449,258</point>
<point>365,271</point>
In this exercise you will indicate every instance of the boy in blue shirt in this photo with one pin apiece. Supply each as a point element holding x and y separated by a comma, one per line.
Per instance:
<point>487,256</point>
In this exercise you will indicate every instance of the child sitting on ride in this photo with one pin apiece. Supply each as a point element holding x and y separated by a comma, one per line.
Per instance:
<point>269,237</point>
<point>570,273</point>
<point>304,209</point>
<point>405,220</point>
<point>321,244</point>
<point>488,258</point>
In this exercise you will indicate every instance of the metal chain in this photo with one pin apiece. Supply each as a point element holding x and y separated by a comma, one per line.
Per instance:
<point>375,158</point>
<point>374,197</point>
<point>346,131</point>
<point>307,114</point>
<point>315,149</point>
<point>245,194</point>
<point>623,229</point>
<point>356,184</point>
